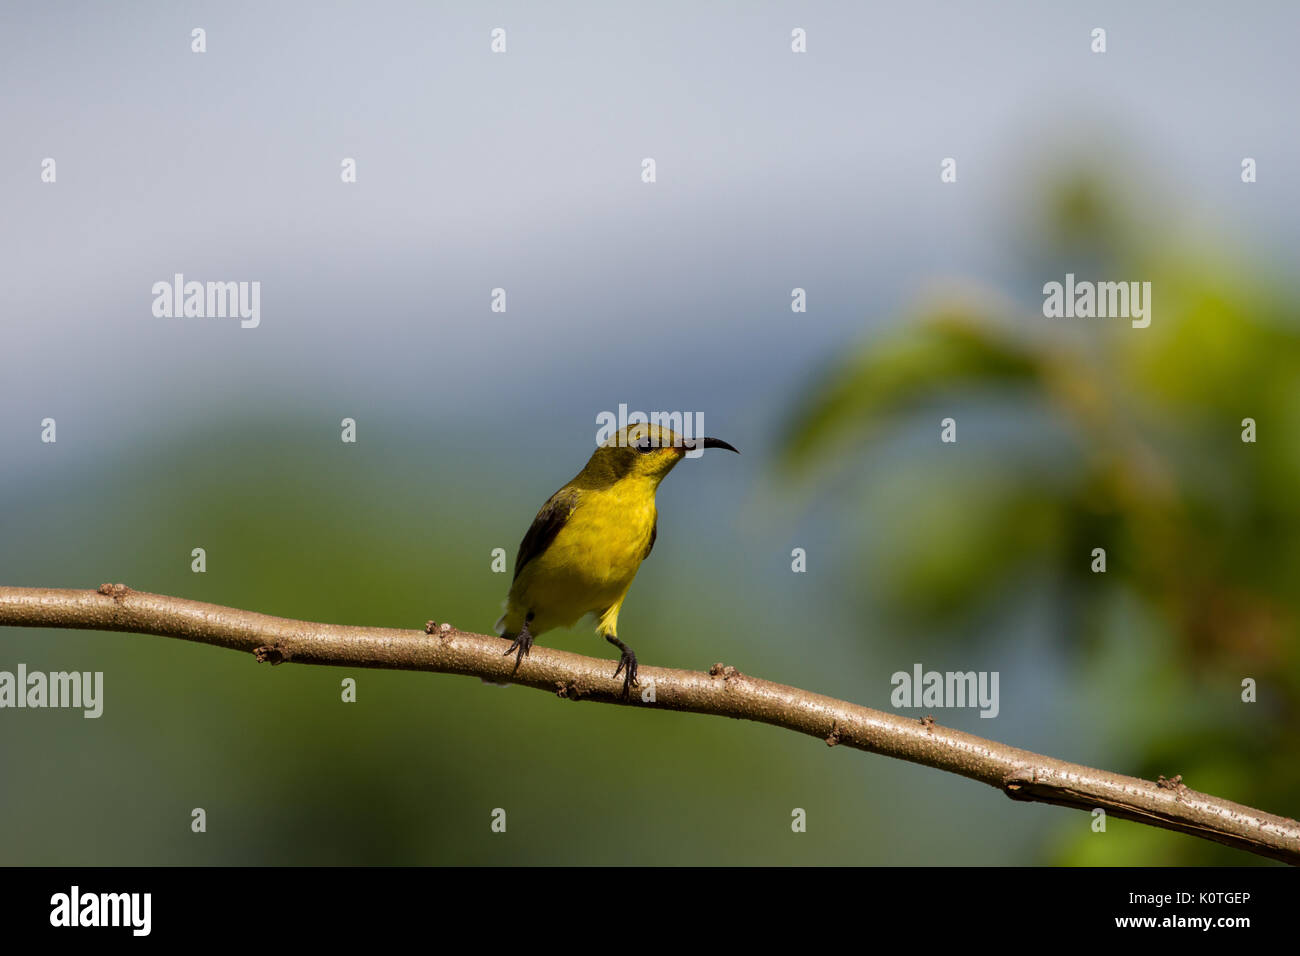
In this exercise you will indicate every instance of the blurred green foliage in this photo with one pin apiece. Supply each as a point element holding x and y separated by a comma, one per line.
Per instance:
<point>1077,434</point>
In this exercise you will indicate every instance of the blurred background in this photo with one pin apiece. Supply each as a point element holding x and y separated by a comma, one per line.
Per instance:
<point>774,171</point>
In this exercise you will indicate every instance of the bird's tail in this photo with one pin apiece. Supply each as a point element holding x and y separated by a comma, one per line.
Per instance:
<point>511,621</point>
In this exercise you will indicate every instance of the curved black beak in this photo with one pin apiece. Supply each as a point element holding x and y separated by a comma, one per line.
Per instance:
<point>716,443</point>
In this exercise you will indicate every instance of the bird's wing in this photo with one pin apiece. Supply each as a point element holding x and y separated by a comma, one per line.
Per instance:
<point>546,526</point>
<point>654,533</point>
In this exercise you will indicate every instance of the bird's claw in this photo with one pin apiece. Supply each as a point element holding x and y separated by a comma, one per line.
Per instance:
<point>520,648</point>
<point>627,660</point>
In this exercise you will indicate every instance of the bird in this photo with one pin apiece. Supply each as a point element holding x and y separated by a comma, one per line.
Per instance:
<point>583,550</point>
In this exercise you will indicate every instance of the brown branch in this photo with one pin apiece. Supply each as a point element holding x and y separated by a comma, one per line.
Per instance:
<point>723,691</point>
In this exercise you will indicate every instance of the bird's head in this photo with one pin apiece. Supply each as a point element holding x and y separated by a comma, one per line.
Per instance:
<point>643,450</point>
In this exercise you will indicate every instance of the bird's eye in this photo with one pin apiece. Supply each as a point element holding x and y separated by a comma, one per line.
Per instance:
<point>644,444</point>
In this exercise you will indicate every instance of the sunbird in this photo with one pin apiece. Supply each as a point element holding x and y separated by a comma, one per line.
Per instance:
<point>585,545</point>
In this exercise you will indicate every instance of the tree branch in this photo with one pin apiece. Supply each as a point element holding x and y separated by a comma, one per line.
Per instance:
<point>723,691</point>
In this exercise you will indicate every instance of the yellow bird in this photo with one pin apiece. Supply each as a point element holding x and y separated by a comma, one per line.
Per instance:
<point>586,544</point>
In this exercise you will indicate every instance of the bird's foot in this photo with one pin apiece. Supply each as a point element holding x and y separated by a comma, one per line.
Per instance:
<point>520,648</point>
<point>626,665</point>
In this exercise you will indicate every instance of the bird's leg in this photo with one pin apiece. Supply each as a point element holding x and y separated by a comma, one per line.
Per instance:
<point>522,645</point>
<point>627,659</point>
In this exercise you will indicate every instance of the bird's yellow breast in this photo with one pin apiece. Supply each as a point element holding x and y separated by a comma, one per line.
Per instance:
<point>592,561</point>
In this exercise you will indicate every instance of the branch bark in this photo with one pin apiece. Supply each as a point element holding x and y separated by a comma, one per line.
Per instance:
<point>723,691</point>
